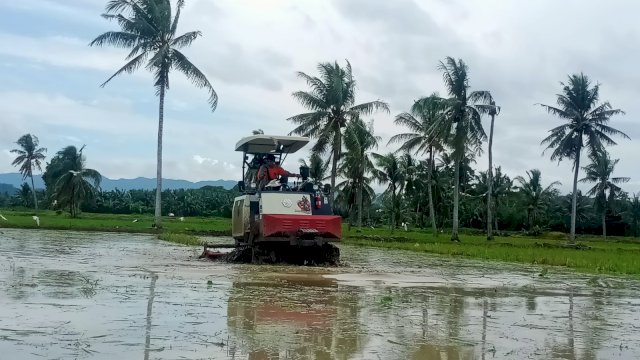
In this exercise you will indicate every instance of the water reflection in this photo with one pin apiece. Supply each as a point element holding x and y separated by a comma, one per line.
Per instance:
<point>293,316</point>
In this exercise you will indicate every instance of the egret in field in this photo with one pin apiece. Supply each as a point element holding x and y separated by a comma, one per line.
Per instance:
<point>135,220</point>
<point>3,218</point>
<point>37,220</point>
<point>181,218</point>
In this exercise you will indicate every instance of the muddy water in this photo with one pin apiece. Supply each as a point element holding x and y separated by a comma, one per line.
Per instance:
<point>67,295</point>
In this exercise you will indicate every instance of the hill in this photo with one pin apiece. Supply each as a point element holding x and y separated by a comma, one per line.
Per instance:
<point>7,188</point>
<point>15,180</point>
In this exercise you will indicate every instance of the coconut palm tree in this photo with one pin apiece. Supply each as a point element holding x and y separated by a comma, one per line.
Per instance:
<point>389,171</point>
<point>585,127</point>
<point>29,158</point>
<point>356,163</point>
<point>633,214</point>
<point>331,104</point>
<point>317,168</point>
<point>493,111</point>
<point>425,113</point>
<point>149,30</point>
<point>605,189</point>
<point>75,182</point>
<point>461,129</point>
<point>535,197</point>
<point>500,187</point>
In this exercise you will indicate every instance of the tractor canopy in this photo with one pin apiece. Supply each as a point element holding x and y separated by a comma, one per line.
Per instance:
<point>270,144</point>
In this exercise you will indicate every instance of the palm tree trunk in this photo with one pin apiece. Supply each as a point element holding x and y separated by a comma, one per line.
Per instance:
<point>35,198</point>
<point>393,207</point>
<point>574,200</point>
<point>490,180</point>
<point>432,212</point>
<point>337,147</point>
<point>456,198</point>
<point>158,211</point>
<point>359,200</point>
<point>604,225</point>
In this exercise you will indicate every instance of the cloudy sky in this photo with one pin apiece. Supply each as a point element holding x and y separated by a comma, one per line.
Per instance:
<point>250,50</point>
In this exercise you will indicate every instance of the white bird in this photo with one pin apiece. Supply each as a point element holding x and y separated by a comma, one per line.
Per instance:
<point>135,220</point>
<point>75,173</point>
<point>181,218</point>
<point>37,219</point>
<point>3,218</point>
<point>171,215</point>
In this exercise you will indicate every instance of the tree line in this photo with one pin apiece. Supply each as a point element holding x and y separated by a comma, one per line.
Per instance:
<point>71,186</point>
<point>431,170</point>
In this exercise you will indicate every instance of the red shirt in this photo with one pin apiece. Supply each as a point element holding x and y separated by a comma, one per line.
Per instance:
<point>273,172</point>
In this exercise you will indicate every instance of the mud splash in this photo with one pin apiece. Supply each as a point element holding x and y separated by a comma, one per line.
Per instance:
<point>67,295</point>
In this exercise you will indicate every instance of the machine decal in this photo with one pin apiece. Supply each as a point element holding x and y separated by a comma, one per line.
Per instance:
<point>287,203</point>
<point>304,205</point>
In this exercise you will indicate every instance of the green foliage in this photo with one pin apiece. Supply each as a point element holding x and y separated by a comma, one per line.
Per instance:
<point>69,182</point>
<point>331,104</point>
<point>586,126</point>
<point>206,201</point>
<point>535,197</point>
<point>30,158</point>
<point>184,239</point>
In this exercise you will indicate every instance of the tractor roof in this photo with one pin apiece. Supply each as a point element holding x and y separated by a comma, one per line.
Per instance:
<point>264,144</point>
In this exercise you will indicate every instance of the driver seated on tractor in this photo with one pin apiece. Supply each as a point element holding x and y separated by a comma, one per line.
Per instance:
<point>270,170</point>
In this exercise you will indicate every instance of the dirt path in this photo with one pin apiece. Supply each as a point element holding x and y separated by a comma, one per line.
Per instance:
<point>66,295</point>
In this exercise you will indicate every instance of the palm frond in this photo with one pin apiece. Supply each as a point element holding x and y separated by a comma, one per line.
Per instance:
<point>195,75</point>
<point>185,39</point>
<point>370,107</point>
<point>119,39</point>
<point>129,67</point>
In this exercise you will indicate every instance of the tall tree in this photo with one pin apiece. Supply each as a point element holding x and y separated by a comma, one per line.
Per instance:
<point>586,126</point>
<point>536,198</point>
<point>389,171</point>
<point>317,168</point>
<point>359,140</point>
<point>605,190</point>
<point>425,113</point>
<point>331,102</point>
<point>29,158</point>
<point>633,214</point>
<point>500,188</point>
<point>461,129</point>
<point>148,28</point>
<point>493,111</point>
<point>74,182</point>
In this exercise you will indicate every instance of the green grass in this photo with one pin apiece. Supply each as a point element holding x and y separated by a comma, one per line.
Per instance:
<point>115,223</point>
<point>184,239</point>
<point>614,256</point>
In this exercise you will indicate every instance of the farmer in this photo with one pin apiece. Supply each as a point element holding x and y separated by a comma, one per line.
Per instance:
<point>271,170</point>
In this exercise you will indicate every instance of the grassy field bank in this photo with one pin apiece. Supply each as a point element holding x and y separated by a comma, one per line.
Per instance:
<point>593,255</point>
<point>115,223</point>
<point>616,255</point>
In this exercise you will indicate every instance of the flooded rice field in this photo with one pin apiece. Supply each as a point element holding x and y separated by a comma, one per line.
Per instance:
<point>67,295</point>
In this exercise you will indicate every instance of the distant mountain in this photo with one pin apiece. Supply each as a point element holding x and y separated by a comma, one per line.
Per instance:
<point>9,189</point>
<point>15,180</point>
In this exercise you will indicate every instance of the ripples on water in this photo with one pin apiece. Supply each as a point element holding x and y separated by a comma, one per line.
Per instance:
<point>66,295</point>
